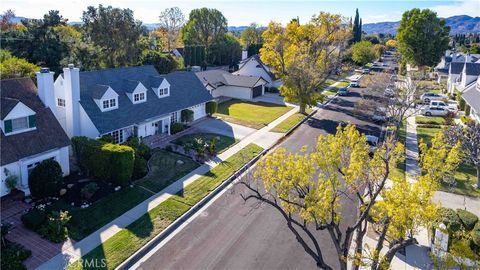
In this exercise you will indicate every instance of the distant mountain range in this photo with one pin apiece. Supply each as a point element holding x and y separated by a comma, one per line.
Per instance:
<point>461,24</point>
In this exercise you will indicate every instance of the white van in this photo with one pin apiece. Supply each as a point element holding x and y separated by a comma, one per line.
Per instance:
<point>354,83</point>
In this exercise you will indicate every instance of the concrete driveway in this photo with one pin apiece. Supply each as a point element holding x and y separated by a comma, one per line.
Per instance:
<point>211,125</point>
<point>270,98</point>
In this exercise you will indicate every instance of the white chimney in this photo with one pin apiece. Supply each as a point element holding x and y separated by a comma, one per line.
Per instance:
<point>71,86</point>
<point>46,92</point>
<point>244,55</point>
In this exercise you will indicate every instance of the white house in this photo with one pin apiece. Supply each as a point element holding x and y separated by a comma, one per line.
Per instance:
<point>253,66</point>
<point>122,102</point>
<point>221,83</point>
<point>461,75</point>
<point>471,95</point>
<point>29,132</point>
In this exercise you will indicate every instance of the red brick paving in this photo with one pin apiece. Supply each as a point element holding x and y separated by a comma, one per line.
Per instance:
<point>42,249</point>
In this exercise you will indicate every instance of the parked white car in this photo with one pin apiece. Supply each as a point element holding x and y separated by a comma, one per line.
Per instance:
<point>354,83</point>
<point>435,111</point>
<point>427,97</point>
<point>449,105</point>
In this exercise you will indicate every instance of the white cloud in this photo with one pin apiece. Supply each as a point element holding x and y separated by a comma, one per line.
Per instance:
<point>465,7</point>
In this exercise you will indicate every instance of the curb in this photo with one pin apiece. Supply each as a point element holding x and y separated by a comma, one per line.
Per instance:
<point>128,263</point>
<point>194,209</point>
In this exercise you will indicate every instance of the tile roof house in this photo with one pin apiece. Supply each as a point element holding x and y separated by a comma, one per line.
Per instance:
<point>29,133</point>
<point>123,102</point>
<point>221,83</point>
<point>253,66</point>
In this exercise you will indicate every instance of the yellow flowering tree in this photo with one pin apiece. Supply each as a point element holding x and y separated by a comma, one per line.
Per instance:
<point>310,189</point>
<point>303,56</point>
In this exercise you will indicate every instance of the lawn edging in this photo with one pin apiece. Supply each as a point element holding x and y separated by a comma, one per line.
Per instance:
<point>192,211</point>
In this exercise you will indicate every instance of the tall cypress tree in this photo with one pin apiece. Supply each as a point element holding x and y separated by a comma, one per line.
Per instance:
<point>355,26</point>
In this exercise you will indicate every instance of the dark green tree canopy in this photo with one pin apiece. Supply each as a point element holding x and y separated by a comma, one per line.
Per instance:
<point>116,32</point>
<point>422,37</point>
<point>204,26</point>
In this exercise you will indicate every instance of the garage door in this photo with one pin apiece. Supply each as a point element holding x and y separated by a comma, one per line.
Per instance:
<point>257,91</point>
<point>198,111</point>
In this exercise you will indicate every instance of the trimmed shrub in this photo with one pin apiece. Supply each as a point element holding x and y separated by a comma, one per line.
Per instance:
<point>186,116</point>
<point>139,167</point>
<point>176,127</point>
<point>13,255</point>
<point>34,219</point>
<point>111,162</point>
<point>106,138</point>
<point>88,190</point>
<point>465,119</point>
<point>450,218</point>
<point>467,218</point>
<point>211,107</point>
<point>120,159</point>
<point>55,229</point>
<point>475,236</point>
<point>46,179</point>
<point>140,148</point>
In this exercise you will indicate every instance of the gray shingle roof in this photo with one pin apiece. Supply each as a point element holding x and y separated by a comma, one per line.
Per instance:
<point>456,68</point>
<point>99,90</point>
<point>472,69</point>
<point>7,105</point>
<point>219,77</point>
<point>48,133</point>
<point>472,97</point>
<point>186,90</point>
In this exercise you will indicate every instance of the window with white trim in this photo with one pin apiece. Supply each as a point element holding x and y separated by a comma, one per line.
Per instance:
<point>60,102</point>
<point>109,103</point>
<point>139,97</point>
<point>30,167</point>
<point>163,91</point>
<point>174,117</point>
<point>19,123</point>
<point>117,136</point>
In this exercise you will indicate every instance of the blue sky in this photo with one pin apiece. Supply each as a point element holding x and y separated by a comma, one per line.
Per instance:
<point>240,12</point>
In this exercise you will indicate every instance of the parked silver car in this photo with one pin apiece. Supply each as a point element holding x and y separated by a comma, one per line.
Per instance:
<point>427,97</point>
<point>435,111</point>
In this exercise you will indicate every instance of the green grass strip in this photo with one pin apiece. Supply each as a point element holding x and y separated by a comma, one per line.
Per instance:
<point>126,242</point>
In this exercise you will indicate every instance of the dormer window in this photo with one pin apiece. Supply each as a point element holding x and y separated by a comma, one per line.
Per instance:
<point>163,91</point>
<point>18,125</point>
<point>109,103</point>
<point>139,97</point>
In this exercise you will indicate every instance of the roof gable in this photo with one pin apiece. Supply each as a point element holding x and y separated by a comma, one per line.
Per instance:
<point>7,104</point>
<point>20,110</point>
<point>48,133</point>
<point>186,90</point>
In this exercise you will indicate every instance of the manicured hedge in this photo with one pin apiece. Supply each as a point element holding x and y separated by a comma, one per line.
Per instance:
<point>106,161</point>
<point>186,116</point>
<point>211,107</point>
<point>46,179</point>
<point>467,218</point>
<point>176,127</point>
<point>450,218</point>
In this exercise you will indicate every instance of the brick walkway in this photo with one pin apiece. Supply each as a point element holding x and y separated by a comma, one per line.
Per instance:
<point>42,249</point>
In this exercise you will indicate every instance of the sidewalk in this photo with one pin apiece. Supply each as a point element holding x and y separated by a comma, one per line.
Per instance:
<point>70,253</point>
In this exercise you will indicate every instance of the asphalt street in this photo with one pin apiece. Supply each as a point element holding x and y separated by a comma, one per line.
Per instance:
<point>233,234</point>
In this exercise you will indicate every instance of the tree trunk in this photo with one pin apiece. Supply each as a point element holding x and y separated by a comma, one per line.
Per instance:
<point>478,176</point>
<point>302,108</point>
<point>387,259</point>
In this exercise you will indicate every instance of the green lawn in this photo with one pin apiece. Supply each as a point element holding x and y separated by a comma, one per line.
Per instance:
<point>327,83</point>
<point>165,170</point>
<point>291,121</point>
<point>465,176</point>
<point>342,84</point>
<point>334,90</point>
<point>123,244</point>
<point>251,114</point>
<point>87,220</point>
<point>433,120</point>
<point>223,142</point>
<point>399,170</point>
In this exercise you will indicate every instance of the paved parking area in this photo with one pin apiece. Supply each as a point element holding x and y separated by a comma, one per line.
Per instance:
<point>211,125</point>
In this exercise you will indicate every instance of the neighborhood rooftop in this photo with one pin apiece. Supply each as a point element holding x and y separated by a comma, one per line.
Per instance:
<point>219,77</point>
<point>48,133</point>
<point>186,90</point>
